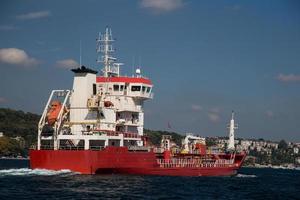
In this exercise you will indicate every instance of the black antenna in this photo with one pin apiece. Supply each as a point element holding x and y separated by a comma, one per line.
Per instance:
<point>80,53</point>
<point>133,63</point>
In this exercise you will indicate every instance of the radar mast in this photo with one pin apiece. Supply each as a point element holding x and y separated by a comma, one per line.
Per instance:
<point>105,51</point>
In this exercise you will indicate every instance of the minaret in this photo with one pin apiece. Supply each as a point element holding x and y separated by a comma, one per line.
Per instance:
<point>232,126</point>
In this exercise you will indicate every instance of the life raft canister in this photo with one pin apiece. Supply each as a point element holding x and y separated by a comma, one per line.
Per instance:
<point>53,112</point>
<point>108,104</point>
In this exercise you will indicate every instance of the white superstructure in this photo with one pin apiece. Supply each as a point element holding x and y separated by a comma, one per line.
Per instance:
<point>99,111</point>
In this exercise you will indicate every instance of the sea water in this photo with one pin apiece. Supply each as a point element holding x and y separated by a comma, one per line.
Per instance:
<point>17,181</point>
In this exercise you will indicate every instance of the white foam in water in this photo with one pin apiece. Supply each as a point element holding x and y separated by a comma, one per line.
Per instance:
<point>38,172</point>
<point>246,175</point>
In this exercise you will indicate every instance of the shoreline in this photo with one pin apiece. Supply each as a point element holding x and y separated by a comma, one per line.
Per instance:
<point>272,167</point>
<point>12,158</point>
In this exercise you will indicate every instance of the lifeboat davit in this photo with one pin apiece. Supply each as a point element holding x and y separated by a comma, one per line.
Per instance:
<point>53,112</point>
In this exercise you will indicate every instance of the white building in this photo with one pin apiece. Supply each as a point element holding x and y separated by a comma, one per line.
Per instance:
<point>296,150</point>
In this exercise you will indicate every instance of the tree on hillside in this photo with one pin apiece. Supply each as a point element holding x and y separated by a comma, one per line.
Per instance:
<point>10,147</point>
<point>211,142</point>
<point>282,145</point>
<point>155,136</point>
<point>18,123</point>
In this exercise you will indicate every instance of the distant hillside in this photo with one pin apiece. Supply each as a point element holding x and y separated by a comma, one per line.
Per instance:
<point>155,136</point>
<point>15,123</point>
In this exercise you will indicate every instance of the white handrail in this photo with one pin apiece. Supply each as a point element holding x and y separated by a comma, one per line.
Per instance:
<point>192,163</point>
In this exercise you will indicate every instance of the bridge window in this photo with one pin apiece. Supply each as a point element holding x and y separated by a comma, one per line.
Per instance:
<point>116,87</point>
<point>143,89</point>
<point>135,88</point>
<point>148,89</point>
<point>121,87</point>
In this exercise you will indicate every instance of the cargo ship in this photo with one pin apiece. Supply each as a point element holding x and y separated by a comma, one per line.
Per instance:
<point>97,128</point>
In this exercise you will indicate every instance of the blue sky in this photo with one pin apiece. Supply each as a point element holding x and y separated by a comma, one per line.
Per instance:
<point>205,58</point>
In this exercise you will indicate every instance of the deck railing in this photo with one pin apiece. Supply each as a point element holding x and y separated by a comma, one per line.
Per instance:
<point>193,163</point>
<point>51,147</point>
<point>112,133</point>
<point>97,148</point>
<point>138,148</point>
<point>71,148</point>
<point>47,147</point>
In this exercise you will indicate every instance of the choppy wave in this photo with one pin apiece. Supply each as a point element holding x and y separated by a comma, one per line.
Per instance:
<point>246,176</point>
<point>32,172</point>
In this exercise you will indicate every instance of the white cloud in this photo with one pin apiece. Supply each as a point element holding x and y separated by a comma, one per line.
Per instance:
<point>159,6</point>
<point>8,27</point>
<point>34,15</point>
<point>288,77</point>
<point>67,63</point>
<point>213,117</point>
<point>3,100</point>
<point>196,107</point>
<point>215,110</point>
<point>269,113</point>
<point>16,56</point>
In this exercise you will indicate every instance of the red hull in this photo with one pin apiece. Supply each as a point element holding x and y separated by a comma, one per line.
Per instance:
<point>119,160</point>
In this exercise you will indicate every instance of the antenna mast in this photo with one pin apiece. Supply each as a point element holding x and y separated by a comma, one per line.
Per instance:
<point>105,50</point>
<point>80,54</point>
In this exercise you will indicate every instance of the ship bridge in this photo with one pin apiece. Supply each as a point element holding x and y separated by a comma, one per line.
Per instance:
<point>138,87</point>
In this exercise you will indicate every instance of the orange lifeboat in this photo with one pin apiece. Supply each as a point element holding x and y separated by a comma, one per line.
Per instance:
<point>53,112</point>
